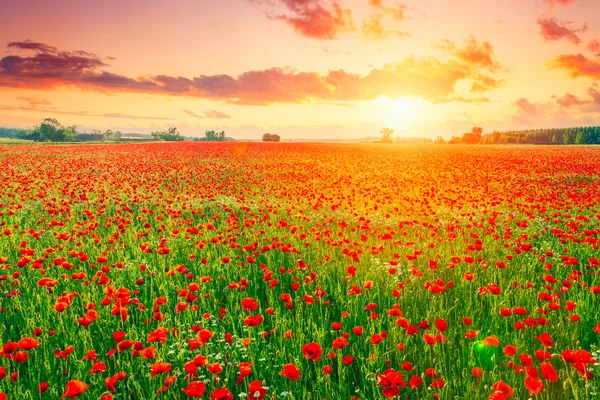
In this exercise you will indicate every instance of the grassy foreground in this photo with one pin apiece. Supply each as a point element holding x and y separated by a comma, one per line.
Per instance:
<point>299,271</point>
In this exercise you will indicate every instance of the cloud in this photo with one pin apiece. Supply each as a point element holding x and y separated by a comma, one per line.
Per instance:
<point>551,3</point>
<point>569,100</point>
<point>35,46</point>
<point>34,106</point>
<point>428,78</point>
<point>35,101</point>
<point>592,104</point>
<point>537,114</point>
<point>216,114</point>
<point>552,29</point>
<point>209,114</point>
<point>374,30</point>
<point>527,107</point>
<point>594,47</point>
<point>398,12</point>
<point>474,53</point>
<point>316,19</point>
<point>47,62</point>
<point>566,110</point>
<point>577,65</point>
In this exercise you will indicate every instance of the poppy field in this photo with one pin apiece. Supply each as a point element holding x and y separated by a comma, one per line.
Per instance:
<point>299,271</point>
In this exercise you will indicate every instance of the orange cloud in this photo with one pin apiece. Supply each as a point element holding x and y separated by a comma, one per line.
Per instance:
<point>373,29</point>
<point>427,78</point>
<point>594,47</point>
<point>577,65</point>
<point>208,114</point>
<point>52,110</point>
<point>474,53</point>
<point>552,29</point>
<point>551,3</point>
<point>317,19</point>
<point>35,101</point>
<point>397,12</point>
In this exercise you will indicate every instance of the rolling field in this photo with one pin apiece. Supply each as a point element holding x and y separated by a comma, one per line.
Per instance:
<point>299,271</point>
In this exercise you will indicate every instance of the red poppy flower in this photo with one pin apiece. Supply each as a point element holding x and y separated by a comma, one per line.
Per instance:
<point>256,390</point>
<point>312,351</point>
<point>195,389</point>
<point>74,388</point>
<point>291,372</point>
<point>534,385</point>
<point>160,368</point>
<point>503,388</point>
<point>339,343</point>
<point>548,372</point>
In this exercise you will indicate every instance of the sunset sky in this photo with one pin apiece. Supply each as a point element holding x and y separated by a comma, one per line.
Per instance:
<point>301,68</point>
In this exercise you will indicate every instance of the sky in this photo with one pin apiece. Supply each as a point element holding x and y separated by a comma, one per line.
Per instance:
<point>304,69</point>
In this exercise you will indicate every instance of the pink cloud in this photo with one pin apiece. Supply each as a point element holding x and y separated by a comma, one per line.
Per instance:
<point>551,3</point>
<point>552,29</point>
<point>429,78</point>
<point>594,47</point>
<point>316,19</point>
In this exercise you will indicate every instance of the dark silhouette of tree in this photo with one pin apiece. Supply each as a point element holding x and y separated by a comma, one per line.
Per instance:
<point>71,133</point>
<point>386,135</point>
<point>268,137</point>
<point>581,135</point>
<point>87,137</point>
<point>474,136</point>
<point>212,136</point>
<point>13,133</point>
<point>51,130</point>
<point>172,135</point>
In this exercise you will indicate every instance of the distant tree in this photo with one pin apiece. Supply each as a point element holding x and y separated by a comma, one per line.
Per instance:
<point>473,137</point>
<point>386,135</point>
<point>71,133</point>
<point>33,134</point>
<point>51,130</point>
<point>172,135</point>
<point>581,135</point>
<point>455,140</point>
<point>581,138</point>
<point>210,136</point>
<point>439,140</point>
<point>86,137</point>
<point>268,137</point>
<point>117,135</point>
<point>107,134</point>
<point>13,133</point>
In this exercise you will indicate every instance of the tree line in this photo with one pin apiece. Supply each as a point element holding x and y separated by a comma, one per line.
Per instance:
<point>50,130</point>
<point>577,135</point>
<point>213,136</point>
